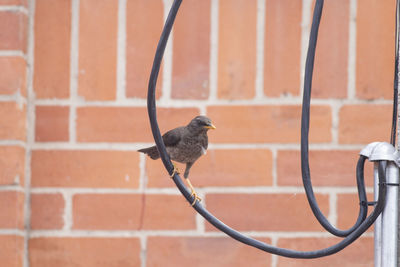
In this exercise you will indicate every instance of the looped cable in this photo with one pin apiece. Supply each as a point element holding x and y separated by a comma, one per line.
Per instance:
<point>362,225</point>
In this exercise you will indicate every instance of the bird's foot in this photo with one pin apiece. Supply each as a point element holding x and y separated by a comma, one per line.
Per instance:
<point>193,194</point>
<point>174,171</point>
<point>195,197</point>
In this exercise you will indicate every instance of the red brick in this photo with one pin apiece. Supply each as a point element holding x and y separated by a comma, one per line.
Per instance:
<point>360,253</point>
<point>127,124</point>
<point>143,29</point>
<point>52,123</point>
<point>220,168</point>
<point>191,55</point>
<point>237,49</point>
<point>85,251</point>
<point>203,251</point>
<point>268,212</point>
<point>331,59</point>
<point>375,49</point>
<point>348,206</point>
<point>99,169</point>
<point>255,124</point>
<point>362,124</point>
<point>11,210</point>
<point>281,50</point>
<point>131,212</point>
<point>52,48</point>
<point>98,49</point>
<point>12,165</point>
<point>11,250</point>
<point>13,34</point>
<point>47,211</point>
<point>12,121</point>
<point>14,2</point>
<point>12,75</point>
<point>328,168</point>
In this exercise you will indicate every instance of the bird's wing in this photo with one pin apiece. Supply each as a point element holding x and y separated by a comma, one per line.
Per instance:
<point>172,137</point>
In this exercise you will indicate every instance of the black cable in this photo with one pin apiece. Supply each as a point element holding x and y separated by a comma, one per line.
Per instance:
<point>362,227</point>
<point>305,126</point>
<point>396,77</point>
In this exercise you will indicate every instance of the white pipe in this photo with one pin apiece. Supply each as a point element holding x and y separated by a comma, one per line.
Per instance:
<point>378,223</point>
<point>390,218</point>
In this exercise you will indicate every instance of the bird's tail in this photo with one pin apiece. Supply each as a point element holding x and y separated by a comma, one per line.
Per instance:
<point>152,152</point>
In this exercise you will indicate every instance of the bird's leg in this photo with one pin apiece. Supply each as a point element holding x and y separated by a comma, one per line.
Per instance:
<point>186,174</point>
<point>193,194</point>
<point>175,170</point>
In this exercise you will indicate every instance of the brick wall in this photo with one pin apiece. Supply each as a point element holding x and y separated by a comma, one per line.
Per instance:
<point>73,83</point>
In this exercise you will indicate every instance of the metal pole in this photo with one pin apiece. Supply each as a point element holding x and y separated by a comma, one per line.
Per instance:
<point>386,225</point>
<point>378,223</point>
<point>390,218</point>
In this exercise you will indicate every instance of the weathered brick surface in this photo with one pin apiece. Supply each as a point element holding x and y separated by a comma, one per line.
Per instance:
<point>331,59</point>
<point>91,199</point>
<point>281,55</point>
<point>362,124</point>
<point>47,211</point>
<point>12,75</point>
<point>359,253</point>
<point>126,124</point>
<point>272,212</point>
<point>98,49</point>
<point>52,49</point>
<point>12,165</point>
<point>64,168</point>
<point>269,124</point>
<point>203,251</point>
<point>52,124</point>
<point>375,32</point>
<point>141,44</point>
<point>237,49</point>
<point>11,250</point>
<point>328,168</point>
<point>132,212</point>
<point>220,168</point>
<point>191,68</point>
<point>13,34</point>
<point>88,252</point>
<point>11,210</point>
<point>12,121</point>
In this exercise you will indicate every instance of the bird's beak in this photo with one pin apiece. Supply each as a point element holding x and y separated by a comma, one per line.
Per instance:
<point>211,126</point>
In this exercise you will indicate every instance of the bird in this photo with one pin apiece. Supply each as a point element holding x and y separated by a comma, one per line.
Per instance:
<point>185,144</point>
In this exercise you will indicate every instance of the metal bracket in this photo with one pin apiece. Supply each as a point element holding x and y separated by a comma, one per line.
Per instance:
<point>381,151</point>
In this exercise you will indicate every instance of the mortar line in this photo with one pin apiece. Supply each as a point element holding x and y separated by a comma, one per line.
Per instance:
<point>167,60</point>
<point>274,258</point>
<point>352,54</point>
<point>143,250</point>
<point>326,190</point>
<point>13,53</point>
<point>305,34</point>
<point>214,50</point>
<point>121,50</point>
<point>333,212</point>
<point>274,170</point>
<point>178,103</point>
<point>74,69</point>
<point>30,130</point>
<point>14,8</point>
<point>259,83</point>
<point>68,215</point>
<point>178,233</point>
<point>100,146</point>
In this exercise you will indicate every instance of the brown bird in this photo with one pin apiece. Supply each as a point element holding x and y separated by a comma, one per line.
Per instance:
<point>185,145</point>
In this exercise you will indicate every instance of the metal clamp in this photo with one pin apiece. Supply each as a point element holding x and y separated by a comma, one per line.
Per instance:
<point>381,151</point>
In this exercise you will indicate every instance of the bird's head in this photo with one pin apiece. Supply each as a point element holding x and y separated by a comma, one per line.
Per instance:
<point>201,123</point>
